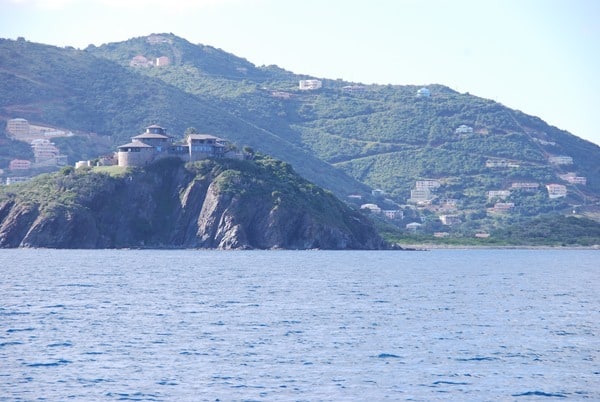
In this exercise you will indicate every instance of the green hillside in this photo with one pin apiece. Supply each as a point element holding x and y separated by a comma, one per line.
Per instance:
<point>347,137</point>
<point>76,90</point>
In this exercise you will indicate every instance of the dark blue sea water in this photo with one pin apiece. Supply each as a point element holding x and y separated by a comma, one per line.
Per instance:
<point>462,325</point>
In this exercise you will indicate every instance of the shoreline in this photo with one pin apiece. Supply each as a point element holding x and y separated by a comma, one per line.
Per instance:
<point>425,247</point>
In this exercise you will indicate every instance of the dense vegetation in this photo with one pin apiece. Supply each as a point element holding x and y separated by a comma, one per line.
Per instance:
<point>553,230</point>
<point>346,137</point>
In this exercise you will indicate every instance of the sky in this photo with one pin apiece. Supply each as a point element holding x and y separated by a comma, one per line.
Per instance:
<point>541,57</point>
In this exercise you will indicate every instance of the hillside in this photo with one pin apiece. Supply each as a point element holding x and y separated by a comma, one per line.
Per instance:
<point>73,89</point>
<point>225,204</point>
<point>474,154</point>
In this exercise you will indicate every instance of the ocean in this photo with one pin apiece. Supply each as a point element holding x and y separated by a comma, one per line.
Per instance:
<point>194,325</point>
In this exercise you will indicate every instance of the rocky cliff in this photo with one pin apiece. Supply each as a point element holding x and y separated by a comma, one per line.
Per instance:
<point>224,204</point>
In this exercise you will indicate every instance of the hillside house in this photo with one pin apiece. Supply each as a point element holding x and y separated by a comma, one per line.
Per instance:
<point>46,153</point>
<point>428,184</point>
<point>19,164</point>
<point>503,207</point>
<point>17,127</point>
<point>371,207</point>
<point>140,61</point>
<point>450,220</point>
<point>556,190</point>
<point>420,196</point>
<point>463,129</point>
<point>413,226</point>
<point>162,61</point>
<point>309,85</point>
<point>16,179</point>
<point>155,144</point>
<point>423,93</point>
<point>393,213</point>
<point>502,194</point>
<point>202,146</point>
<point>523,185</point>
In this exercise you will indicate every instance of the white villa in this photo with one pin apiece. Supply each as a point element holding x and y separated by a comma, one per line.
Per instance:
<point>309,85</point>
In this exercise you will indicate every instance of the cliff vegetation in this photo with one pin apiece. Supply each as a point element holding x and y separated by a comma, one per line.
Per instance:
<point>223,204</point>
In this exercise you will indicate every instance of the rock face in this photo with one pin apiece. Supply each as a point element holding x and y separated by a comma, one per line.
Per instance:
<point>224,204</point>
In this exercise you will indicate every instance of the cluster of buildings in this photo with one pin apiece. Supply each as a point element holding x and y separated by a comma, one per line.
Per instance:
<point>151,145</point>
<point>45,152</point>
<point>155,144</point>
<point>391,210</point>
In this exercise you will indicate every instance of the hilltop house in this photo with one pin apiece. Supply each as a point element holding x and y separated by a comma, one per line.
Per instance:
<point>155,144</point>
<point>423,93</point>
<point>309,85</point>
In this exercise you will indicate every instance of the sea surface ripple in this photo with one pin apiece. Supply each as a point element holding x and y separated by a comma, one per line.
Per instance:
<point>189,325</point>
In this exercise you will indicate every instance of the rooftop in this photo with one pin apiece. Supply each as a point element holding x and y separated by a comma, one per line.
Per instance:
<point>151,135</point>
<point>136,144</point>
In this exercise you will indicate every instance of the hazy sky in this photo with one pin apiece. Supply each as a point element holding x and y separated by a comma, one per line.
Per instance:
<point>538,56</point>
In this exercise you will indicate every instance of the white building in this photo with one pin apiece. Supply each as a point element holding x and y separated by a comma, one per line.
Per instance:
<point>450,219</point>
<point>162,61</point>
<point>423,93</point>
<point>80,164</point>
<point>413,226</point>
<point>393,214</point>
<point>502,194</point>
<point>19,164</point>
<point>14,179</point>
<point>140,61</point>
<point>420,195</point>
<point>309,85</point>
<point>556,190</point>
<point>44,150</point>
<point>371,207</point>
<point>523,185</point>
<point>463,129</point>
<point>17,127</point>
